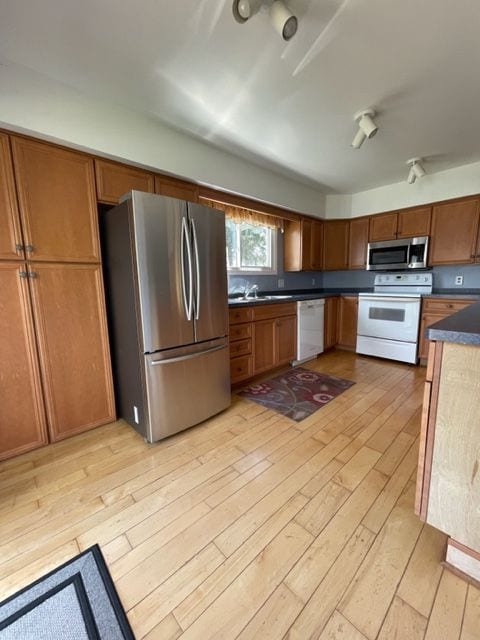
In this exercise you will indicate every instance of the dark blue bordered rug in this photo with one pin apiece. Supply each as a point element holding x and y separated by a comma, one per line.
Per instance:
<point>76,601</point>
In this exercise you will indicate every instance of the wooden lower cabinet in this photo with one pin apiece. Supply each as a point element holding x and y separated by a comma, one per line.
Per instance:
<point>330,324</point>
<point>347,321</point>
<point>69,313</point>
<point>262,337</point>
<point>22,414</point>
<point>434,310</point>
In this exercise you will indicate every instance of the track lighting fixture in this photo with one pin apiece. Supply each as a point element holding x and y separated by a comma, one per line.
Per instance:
<point>366,127</point>
<point>416,170</point>
<point>283,21</point>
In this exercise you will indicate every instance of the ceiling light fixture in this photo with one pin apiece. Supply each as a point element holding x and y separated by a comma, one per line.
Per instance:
<point>366,127</point>
<point>283,21</point>
<point>416,170</point>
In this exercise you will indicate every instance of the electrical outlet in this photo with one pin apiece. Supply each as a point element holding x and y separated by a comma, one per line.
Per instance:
<point>313,281</point>
<point>459,280</point>
<point>281,283</point>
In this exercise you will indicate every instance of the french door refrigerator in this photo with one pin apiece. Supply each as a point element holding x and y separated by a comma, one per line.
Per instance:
<point>166,284</point>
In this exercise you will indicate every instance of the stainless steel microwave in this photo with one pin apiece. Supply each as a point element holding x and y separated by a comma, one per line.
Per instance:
<point>407,253</point>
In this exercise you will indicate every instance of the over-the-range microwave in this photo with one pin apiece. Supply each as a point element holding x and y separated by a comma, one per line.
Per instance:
<point>407,253</point>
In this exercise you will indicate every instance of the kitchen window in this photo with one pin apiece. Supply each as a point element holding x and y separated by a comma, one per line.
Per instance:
<point>251,248</point>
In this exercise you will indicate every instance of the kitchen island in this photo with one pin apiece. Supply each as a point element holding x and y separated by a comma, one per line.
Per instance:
<point>448,480</point>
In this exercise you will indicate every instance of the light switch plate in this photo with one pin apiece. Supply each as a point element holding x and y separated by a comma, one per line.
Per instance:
<point>281,283</point>
<point>459,280</point>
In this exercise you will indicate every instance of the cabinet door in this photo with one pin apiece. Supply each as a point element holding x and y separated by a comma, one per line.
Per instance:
<point>335,244</point>
<point>316,247</point>
<point>10,233</point>
<point>330,323</point>
<point>263,345</point>
<point>286,339</point>
<point>22,414</point>
<point>292,238</point>
<point>175,188</point>
<point>347,321</point>
<point>454,232</point>
<point>306,248</point>
<point>414,222</point>
<point>426,320</point>
<point>73,343</point>
<point>358,243</point>
<point>383,226</point>
<point>114,180</point>
<point>56,190</point>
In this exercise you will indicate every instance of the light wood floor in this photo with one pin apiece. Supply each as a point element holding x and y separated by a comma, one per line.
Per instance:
<point>251,525</point>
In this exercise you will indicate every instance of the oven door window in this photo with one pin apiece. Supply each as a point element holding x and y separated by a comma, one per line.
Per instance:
<point>390,255</point>
<point>389,315</point>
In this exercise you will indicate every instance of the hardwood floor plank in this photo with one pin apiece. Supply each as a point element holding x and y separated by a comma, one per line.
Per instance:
<point>233,609</point>
<point>446,618</point>
<point>420,581</point>
<point>357,468</point>
<point>319,511</point>
<point>368,599</point>
<point>338,628</point>
<point>471,618</point>
<point>167,629</point>
<point>395,453</point>
<point>402,622</point>
<point>319,608</point>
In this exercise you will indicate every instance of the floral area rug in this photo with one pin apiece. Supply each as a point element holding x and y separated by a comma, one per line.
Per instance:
<point>298,393</point>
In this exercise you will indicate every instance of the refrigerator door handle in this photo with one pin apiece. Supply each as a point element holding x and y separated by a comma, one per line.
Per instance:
<point>185,242</point>
<point>189,357</point>
<point>197,269</point>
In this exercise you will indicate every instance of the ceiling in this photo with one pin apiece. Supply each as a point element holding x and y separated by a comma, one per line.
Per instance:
<point>285,106</point>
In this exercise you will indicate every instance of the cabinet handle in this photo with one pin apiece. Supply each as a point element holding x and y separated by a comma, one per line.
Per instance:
<point>32,274</point>
<point>472,256</point>
<point>19,247</point>
<point>29,248</point>
<point>450,306</point>
<point>23,274</point>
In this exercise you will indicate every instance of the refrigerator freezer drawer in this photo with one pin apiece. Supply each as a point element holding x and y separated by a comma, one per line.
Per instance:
<point>186,387</point>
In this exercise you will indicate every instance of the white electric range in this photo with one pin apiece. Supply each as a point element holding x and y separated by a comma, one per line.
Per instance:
<point>389,318</point>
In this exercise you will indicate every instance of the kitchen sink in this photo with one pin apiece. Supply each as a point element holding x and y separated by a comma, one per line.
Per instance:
<point>253,299</point>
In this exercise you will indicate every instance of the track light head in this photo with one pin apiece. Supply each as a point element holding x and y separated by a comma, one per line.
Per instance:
<point>416,170</point>
<point>366,127</point>
<point>283,20</point>
<point>243,10</point>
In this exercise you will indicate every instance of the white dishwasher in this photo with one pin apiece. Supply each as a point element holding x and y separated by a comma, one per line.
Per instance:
<point>309,329</point>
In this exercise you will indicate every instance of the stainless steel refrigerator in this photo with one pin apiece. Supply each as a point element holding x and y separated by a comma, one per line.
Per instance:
<point>166,284</point>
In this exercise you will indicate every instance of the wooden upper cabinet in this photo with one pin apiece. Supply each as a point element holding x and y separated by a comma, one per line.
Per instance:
<point>335,244</point>
<point>74,352</point>
<point>414,222</point>
<point>383,226</point>
<point>114,180</point>
<point>347,321</point>
<point>454,232</point>
<point>176,188</point>
<point>56,191</point>
<point>22,415</point>
<point>358,243</point>
<point>316,246</point>
<point>303,242</point>
<point>10,233</point>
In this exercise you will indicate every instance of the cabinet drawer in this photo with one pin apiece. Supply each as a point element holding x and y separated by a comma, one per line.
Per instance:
<point>240,348</point>
<point>265,311</point>
<point>240,315</point>
<point>445,304</point>
<point>241,368</point>
<point>240,331</point>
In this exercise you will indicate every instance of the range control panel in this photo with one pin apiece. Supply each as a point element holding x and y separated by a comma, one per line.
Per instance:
<point>404,283</point>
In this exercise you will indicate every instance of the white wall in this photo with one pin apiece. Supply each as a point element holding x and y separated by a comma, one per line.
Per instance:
<point>33,103</point>
<point>453,183</point>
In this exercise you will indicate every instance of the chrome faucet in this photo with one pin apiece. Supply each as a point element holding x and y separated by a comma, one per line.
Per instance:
<point>249,289</point>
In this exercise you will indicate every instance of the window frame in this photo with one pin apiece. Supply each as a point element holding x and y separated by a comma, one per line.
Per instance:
<point>254,271</point>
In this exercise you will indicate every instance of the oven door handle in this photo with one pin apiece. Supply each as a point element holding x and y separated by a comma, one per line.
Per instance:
<point>395,298</point>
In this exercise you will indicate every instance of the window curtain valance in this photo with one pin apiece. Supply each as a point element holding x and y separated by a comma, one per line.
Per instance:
<point>239,214</point>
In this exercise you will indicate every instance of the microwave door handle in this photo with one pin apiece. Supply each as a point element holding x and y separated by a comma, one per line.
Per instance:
<point>409,246</point>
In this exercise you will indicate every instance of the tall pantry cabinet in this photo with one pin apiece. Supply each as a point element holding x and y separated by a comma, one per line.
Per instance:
<point>55,376</point>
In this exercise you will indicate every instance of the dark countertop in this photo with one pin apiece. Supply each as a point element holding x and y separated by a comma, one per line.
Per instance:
<point>296,296</point>
<point>309,294</point>
<point>462,327</point>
